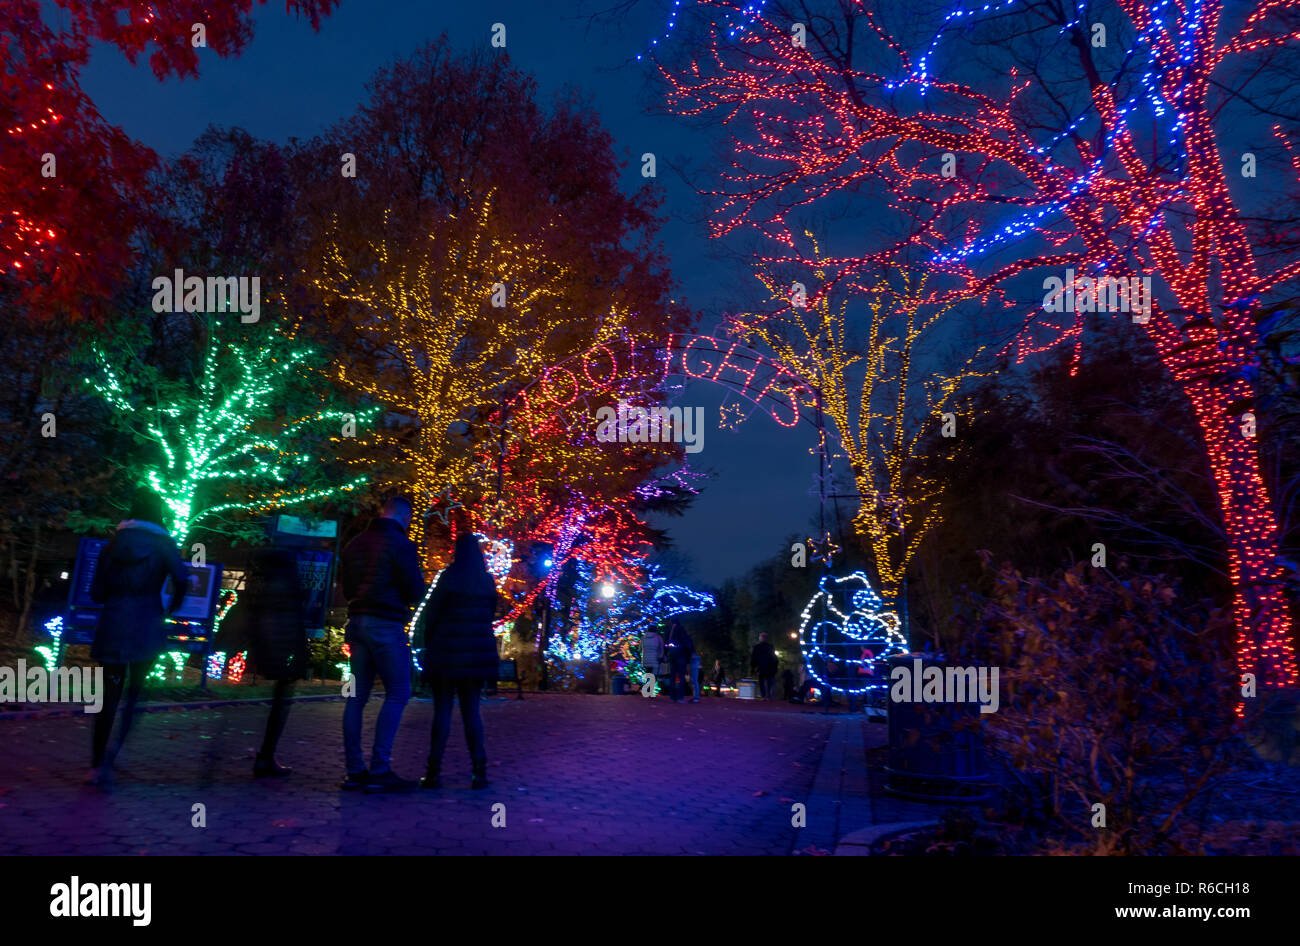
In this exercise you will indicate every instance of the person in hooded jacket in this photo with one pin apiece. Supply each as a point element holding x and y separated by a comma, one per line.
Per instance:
<point>275,610</point>
<point>460,654</point>
<point>128,582</point>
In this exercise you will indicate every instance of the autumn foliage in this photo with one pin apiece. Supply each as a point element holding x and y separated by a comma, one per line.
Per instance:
<point>73,187</point>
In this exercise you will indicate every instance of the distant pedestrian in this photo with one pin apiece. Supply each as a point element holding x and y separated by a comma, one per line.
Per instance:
<point>763,661</point>
<point>719,676</point>
<point>131,635</point>
<point>695,677</point>
<point>654,656</point>
<point>382,581</point>
<point>787,683</point>
<point>275,612</point>
<point>680,651</point>
<point>460,655</point>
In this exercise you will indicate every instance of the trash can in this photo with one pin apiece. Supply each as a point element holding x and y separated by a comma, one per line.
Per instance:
<point>747,690</point>
<point>932,757</point>
<point>618,684</point>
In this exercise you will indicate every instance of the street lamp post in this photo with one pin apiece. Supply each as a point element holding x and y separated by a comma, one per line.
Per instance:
<point>544,683</point>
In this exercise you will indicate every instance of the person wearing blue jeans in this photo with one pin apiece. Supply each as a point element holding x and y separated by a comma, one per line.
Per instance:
<point>377,646</point>
<point>382,582</point>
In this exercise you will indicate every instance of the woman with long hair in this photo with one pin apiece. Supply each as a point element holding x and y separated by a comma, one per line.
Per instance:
<point>460,654</point>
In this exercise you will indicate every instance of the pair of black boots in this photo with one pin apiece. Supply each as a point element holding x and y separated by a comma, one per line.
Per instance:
<point>433,779</point>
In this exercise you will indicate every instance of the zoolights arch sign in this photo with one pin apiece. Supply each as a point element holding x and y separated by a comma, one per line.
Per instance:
<point>613,369</point>
<point>845,636</point>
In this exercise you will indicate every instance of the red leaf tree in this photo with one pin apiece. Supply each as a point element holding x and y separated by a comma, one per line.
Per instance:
<point>1103,158</point>
<point>72,186</point>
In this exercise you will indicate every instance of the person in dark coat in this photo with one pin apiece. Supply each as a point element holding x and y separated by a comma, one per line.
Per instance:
<point>763,660</point>
<point>382,581</point>
<point>680,651</point>
<point>128,582</point>
<point>275,612</point>
<point>460,653</point>
<point>787,681</point>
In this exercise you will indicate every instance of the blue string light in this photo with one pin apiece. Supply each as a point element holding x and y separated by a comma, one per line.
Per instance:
<point>854,632</point>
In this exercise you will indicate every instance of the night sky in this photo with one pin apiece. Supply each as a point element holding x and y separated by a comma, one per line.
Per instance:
<point>291,82</point>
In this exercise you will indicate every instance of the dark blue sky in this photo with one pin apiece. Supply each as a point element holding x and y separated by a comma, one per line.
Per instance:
<point>292,83</point>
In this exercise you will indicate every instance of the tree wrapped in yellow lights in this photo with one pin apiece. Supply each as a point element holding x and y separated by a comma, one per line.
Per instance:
<point>447,329</point>
<point>481,240</point>
<point>872,351</point>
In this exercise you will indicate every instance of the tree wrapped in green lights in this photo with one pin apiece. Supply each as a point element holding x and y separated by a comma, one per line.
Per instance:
<point>244,427</point>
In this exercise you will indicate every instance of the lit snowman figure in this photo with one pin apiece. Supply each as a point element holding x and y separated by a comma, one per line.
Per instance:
<point>846,636</point>
<point>499,556</point>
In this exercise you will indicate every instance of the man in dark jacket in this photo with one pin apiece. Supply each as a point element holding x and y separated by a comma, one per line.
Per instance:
<point>382,581</point>
<point>128,581</point>
<point>763,660</point>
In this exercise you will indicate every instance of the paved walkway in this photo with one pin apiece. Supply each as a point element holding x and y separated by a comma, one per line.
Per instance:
<point>576,774</point>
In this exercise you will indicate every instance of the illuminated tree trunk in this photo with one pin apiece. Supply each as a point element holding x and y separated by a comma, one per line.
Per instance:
<point>1260,610</point>
<point>881,545</point>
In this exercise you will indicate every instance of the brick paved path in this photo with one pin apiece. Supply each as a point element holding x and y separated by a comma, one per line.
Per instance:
<point>577,774</point>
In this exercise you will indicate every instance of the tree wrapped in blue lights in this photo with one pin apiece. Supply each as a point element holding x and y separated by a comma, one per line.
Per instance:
<point>659,601</point>
<point>602,622</point>
<point>577,636</point>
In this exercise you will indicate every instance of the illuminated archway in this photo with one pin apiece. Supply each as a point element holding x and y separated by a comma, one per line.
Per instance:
<point>573,387</point>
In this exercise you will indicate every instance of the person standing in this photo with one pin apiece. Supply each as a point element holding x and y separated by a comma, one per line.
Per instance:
<point>382,581</point>
<point>653,656</point>
<point>680,651</point>
<point>763,660</point>
<point>460,654</point>
<point>279,645</point>
<point>695,677</point>
<point>719,677</point>
<point>128,582</point>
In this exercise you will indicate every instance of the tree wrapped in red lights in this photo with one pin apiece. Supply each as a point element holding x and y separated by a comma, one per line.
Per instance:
<point>546,478</point>
<point>1017,141</point>
<point>67,176</point>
